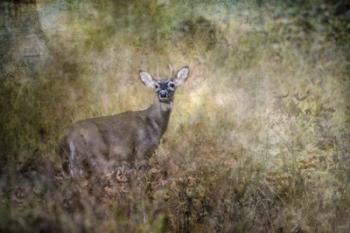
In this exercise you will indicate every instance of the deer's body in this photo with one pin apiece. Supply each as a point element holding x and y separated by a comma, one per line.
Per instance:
<point>99,144</point>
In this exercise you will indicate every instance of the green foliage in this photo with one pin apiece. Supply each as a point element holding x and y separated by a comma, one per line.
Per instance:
<point>257,142</point>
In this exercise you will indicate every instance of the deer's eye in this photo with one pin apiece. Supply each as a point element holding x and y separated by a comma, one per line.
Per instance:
<point>156,86</point>
<point>171,85</point>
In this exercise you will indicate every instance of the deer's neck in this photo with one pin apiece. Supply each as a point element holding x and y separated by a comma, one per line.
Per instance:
<point>159,114</point>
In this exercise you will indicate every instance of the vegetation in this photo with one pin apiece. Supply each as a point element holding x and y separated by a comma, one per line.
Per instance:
<point>258,140</point>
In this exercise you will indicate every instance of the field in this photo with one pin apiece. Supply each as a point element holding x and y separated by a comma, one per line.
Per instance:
<point>258,141</point>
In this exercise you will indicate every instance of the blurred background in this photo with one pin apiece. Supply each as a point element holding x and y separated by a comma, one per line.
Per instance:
<point>258,140</point>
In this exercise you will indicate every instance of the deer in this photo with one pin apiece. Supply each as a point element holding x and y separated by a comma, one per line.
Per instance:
<point>129,138</point>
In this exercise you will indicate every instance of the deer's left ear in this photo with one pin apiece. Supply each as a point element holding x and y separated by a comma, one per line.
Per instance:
<point>182,76</point>
<point>147,79</point>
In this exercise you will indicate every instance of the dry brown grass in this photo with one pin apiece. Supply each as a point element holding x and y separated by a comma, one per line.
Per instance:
<point>257,142</point>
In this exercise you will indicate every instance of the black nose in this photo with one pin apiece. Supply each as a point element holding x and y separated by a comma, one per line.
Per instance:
<point>163,94</point>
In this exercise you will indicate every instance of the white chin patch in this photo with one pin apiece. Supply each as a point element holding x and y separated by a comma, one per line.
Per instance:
<point>166,106</point>
<point>166,99</point>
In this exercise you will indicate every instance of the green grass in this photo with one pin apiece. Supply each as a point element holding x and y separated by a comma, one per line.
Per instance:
<point>257,142</point>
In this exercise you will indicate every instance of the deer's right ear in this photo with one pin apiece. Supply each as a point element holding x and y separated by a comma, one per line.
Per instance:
<point>146,78</point>
<point>182,75</point>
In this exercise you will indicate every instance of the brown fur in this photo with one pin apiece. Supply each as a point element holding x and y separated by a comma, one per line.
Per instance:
<point>100,144</point>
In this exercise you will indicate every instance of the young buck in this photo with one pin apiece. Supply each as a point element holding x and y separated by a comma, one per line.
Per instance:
<point>97,144</point>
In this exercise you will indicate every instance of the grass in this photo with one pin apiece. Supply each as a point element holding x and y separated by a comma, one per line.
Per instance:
<point>257,142</point>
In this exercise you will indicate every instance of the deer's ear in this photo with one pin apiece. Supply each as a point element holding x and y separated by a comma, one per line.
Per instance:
<point>182,76</point>
<point>146,78</point>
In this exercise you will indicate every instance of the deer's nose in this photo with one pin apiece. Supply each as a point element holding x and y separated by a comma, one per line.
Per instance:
<point>163,94</point>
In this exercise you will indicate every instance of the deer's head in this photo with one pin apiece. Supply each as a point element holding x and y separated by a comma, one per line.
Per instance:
<point>165,87</point>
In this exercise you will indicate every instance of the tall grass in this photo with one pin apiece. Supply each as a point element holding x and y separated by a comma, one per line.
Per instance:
<point>257,142</point>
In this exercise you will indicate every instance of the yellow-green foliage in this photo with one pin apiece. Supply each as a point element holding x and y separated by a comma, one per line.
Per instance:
<point>257,142</point>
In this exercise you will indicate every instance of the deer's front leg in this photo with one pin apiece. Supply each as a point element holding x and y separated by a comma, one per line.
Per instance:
<point>142,156</point>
